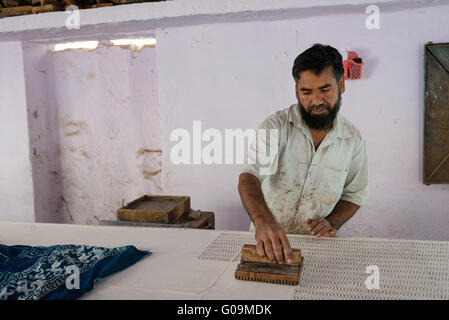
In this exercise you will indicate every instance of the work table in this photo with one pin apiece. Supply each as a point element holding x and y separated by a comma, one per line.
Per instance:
<point>200,264</point>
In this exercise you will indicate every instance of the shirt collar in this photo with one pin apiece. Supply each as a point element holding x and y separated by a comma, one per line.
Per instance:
<point>295,117</point>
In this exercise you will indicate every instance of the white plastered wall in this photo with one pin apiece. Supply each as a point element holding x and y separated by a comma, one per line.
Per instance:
<point>95,130</point>
<point>16,186</point>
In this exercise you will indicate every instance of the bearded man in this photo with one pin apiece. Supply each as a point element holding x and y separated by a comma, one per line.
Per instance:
<point>321,164</point>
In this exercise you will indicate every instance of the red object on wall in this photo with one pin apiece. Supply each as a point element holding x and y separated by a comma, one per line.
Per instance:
<point>353,69</point>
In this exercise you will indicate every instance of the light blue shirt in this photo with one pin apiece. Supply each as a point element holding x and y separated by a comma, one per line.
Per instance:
<point>308,183</point>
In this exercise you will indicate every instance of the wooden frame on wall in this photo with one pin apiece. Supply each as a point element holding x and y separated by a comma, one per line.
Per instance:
<point>436,113</point>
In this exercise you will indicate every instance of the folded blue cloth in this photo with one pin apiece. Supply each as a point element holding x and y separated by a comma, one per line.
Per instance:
<point>42,272</point>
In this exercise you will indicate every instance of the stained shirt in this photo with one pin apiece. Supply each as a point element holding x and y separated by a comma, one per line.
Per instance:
<point>303,183</point>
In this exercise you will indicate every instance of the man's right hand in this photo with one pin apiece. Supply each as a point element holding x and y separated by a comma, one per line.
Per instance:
<point>272,241</point>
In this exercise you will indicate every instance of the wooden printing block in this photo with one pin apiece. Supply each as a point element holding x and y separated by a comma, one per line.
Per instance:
<point>252,267</point>
<point>155,209</point>
<point>204,220</point>
<point>198,219</point>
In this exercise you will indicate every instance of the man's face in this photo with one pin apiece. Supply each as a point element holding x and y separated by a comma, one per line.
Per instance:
<point>319,97</point>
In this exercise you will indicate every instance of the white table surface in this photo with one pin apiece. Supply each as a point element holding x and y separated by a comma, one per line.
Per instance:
<point>334,268</point>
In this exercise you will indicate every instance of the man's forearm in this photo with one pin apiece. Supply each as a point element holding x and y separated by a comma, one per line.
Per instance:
<point>271,240</point>
<point>342,212</point>
<point>252,198</point>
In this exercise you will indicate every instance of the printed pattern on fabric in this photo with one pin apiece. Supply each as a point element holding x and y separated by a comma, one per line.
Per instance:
<point>30,273</point>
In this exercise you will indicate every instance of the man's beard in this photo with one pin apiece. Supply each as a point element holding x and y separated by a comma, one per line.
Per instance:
<point>318,121</point>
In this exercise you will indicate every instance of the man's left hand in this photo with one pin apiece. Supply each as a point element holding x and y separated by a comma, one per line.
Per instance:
<point>321,227</point>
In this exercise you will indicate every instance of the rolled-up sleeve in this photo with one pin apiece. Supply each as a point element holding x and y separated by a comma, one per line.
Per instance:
<point>356,184</point>
<point>263,153</point>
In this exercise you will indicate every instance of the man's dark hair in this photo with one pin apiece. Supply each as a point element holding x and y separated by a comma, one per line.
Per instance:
<point>316,58</point>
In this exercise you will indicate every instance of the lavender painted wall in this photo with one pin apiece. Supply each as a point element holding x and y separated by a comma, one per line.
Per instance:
<point>233,75</point>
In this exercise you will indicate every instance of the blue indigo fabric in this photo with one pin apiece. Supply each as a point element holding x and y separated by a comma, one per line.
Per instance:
<point>32,273</point>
